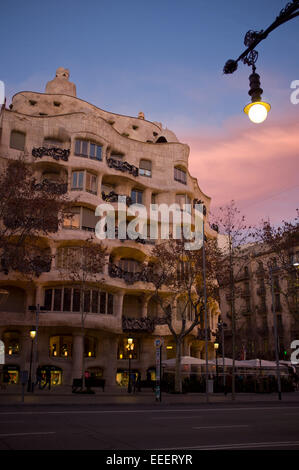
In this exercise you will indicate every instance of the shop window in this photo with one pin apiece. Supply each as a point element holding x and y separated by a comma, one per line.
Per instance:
<point>11,374</point>
<point>61,346</point>
<point>17,140</point>
<point>56,375</point>
<point>122,377</point>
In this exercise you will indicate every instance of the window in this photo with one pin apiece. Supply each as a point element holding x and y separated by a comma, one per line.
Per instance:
<point>77,180</point>
<point>183,199</point>
<point>52,143</point>
<point>89,220</point>
<point>85,148</point>
<point>67,299</point>
<point>180,175</point>
<point>91,183</point>
<point>90,346</point>
<point>136,196</point>
<point>129,265</point>
<point>61,346</point>
<point>84,180</point>
<point>17,140</point>
<point>154,198</point>
<point>124,353</point>
<point>83,218</point>
<point>11,341</point>
<point>145,168</point>
<point>74,221</point>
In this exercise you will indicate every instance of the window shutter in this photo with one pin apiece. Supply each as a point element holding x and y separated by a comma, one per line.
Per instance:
<point>145,165</point>
<point>89,219</point>
<point>17,140</point>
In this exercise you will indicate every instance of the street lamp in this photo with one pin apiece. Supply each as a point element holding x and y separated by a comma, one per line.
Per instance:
<point>257,110</point>
<point>32,336</point>
<point>130,347</point>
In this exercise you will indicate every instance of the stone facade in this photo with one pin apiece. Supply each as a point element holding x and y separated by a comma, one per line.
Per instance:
<point>95,153</point>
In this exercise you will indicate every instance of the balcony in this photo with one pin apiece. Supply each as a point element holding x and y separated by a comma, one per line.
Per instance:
<point>143,325</point>
<point>55,152</point>
<point>129,277</point>
<point>124,167</point>
<point>113,197</point>
<point>52,187</point>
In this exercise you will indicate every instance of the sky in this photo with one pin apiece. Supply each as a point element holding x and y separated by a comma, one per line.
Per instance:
<point>165,58</point>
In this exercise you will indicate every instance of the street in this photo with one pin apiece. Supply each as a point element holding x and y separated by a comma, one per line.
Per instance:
<point>150,427</point>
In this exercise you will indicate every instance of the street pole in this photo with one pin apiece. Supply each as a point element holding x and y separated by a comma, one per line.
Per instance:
<point>129,383</point>
<point>275,335</point>
<point>205,309</point>
<point>223,360</point>
<point>29,385</point>
<point>35,347</point>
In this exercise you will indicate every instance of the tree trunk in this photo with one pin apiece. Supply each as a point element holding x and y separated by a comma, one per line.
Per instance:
<point>178,375</point>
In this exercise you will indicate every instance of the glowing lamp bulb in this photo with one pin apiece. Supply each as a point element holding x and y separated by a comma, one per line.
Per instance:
<point>257,111</point>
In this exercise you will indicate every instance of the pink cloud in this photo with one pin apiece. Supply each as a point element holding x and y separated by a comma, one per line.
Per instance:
<point>257,165</point>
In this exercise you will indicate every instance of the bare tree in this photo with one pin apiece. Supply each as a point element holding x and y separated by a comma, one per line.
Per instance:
<point>232,224</point>
<point>177,276</point>
<point>28,211</point>
<point>279,244</point>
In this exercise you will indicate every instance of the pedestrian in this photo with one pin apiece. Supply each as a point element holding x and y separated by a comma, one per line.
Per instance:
<point>48,378</point>
<point>38,378</point>
<point>138,382</point>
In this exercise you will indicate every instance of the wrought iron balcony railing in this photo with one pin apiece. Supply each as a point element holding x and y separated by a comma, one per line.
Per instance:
<point>122,166</point>
<point>127,276</point>
<point>54,152</point>
<point>113,197</point>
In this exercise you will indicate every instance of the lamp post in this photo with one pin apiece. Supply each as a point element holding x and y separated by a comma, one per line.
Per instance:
<point>32,336</point>
<point>216,346</point>
<point>257,110</point>
<point>130,348</point>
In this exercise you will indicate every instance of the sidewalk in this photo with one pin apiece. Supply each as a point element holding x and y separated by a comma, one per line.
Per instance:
<point>64,396</point>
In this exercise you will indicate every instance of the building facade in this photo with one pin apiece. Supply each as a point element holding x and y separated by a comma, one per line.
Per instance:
<point>97,155</point>
<point>254,316</point>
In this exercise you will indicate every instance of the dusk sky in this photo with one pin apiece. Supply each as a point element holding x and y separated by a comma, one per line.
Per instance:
<point>165,58</point>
